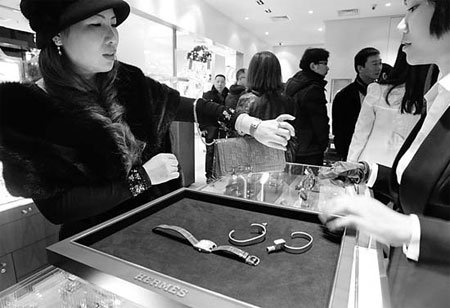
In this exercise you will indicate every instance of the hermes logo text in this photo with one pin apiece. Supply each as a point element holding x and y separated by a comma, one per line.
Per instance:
<point>162,285</point>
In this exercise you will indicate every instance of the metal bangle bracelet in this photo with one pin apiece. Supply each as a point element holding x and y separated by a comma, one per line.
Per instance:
<point>280,244</point>
<point>260,230</point>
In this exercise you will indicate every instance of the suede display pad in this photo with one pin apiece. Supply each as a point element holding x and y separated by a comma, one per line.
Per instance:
<point>280,280</point>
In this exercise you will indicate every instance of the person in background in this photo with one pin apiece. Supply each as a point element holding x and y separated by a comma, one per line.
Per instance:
<point>389,112</point>
<point>419,180</point>
<point>90,140</point>
<point>218,94</point>
<point>347,102</point>
<point>386,69</point>
<point>237,89</point>
<point>265,98</point>
<point>307,88</point>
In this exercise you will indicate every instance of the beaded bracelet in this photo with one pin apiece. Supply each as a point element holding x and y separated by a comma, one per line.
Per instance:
<point>138,181</point>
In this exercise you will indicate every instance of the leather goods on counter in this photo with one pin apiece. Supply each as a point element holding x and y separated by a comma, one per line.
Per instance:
<point>231,154</point>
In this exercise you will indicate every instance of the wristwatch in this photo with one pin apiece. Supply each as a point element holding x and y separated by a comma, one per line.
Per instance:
<point>253,126</point>
<point>207,246</point>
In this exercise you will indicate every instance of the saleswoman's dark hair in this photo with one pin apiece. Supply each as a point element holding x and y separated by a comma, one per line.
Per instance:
<point>440,21</point>
<point>414,78</point>
<point>66,85</point>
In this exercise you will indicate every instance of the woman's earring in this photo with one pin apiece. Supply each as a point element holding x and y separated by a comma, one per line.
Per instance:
<point>58,43</point>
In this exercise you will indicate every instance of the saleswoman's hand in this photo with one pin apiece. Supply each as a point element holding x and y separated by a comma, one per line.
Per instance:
<point>275,133</point>
<point>369,216</point>
<point>162,168</point>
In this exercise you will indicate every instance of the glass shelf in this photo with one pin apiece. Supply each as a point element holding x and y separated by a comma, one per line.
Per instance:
<point>53,287</point>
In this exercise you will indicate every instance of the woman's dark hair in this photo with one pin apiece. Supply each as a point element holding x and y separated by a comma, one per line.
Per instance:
<point>440,21</point>
<point>64,84</point>
<point>264,73</point>
<point>414,78</point>
<point>264,80</point>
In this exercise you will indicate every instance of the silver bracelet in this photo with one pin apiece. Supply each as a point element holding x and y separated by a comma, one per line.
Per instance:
<point>194,105</point>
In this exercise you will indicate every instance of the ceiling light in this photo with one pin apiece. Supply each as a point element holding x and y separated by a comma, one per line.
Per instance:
<point>311,12</point>
<point>268,11</point>
<point>247,18</point>
<point>320,29</point>
<point>267,33</point>
<point>388,4</point>
<point>260,2</point>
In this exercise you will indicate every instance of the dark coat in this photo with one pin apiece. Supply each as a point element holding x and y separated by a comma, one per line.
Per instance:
<point>425,191</point>
<point>311,122</point>
<point>212,131</point>
<point>215,96</point>
<point>65,156</point>
<point>345,111</point>
<point>233,96</point>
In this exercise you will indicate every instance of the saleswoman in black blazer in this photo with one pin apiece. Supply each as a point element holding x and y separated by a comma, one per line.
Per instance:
<point>419,181</point>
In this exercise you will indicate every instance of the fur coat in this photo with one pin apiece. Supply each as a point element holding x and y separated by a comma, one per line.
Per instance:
<point>49,148</point>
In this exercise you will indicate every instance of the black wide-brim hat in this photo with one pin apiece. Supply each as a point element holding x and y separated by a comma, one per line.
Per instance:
<point>48,17</point>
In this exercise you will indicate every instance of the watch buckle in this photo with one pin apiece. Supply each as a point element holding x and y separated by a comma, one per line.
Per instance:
<point>205,246</point>
<point>252,260</point>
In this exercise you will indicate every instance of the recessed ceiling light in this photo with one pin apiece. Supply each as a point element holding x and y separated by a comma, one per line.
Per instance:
<point>268,11</point>
<point>320,29</point>
<point>311,12</point>
<point>247,18</point>
<point>388,4</point>
<point>267,33</point>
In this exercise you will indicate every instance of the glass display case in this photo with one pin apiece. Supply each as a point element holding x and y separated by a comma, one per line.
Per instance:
<point>124,261</point>
<point>53,287</point>
<point>297,186</point>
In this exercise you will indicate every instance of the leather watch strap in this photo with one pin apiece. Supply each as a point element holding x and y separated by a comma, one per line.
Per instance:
<point>245,256</point>
<point>183,232</point>
<point>208,246</point>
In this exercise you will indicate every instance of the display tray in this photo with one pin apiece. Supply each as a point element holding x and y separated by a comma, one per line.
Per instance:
<point>125,256</point>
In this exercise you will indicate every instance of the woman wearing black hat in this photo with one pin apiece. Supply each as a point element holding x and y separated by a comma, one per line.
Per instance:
<point>92,134</point>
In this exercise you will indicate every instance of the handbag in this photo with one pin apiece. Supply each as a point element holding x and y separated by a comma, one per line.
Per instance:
<point>233,153</point>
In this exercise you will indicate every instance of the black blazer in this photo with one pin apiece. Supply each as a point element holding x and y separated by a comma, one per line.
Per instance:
<point>345,111</point>
<point>425,191</point>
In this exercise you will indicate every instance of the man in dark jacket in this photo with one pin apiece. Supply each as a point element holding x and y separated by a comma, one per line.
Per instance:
<point>237,89</point>
<point>217,94</point>
<point>347,102</point>
<point>307,88</point>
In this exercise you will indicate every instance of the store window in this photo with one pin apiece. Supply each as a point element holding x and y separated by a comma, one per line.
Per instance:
<point>147,45</point>
<point>196,73</point>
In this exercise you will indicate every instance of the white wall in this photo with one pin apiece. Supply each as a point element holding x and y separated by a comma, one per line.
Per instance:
<point>344,38</point>
<point>198,17</point>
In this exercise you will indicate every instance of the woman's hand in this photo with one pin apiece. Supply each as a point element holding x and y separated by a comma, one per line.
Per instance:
<point>369,216</point>
<point>162,168</point>
<point>275,133</point>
